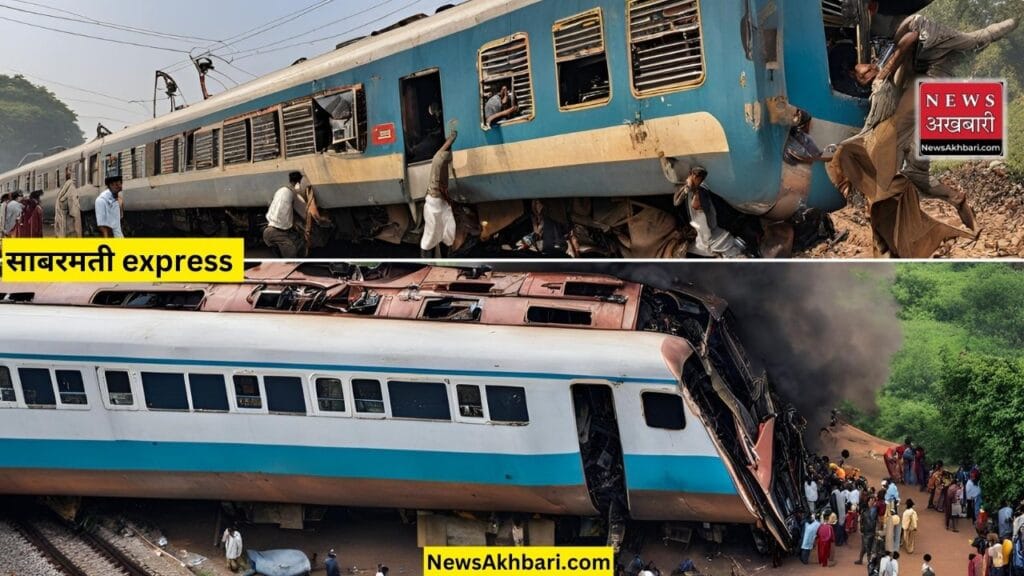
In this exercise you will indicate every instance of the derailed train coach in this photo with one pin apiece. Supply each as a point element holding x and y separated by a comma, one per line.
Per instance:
<point>411,387</point>
<point>602,88</point>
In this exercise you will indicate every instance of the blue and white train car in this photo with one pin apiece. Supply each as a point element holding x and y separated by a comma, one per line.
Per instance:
<point>602,86</point>
<point>102,400</point>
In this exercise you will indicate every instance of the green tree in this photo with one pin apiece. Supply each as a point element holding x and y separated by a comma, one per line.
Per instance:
<point>32,119</point>
<point>1001,59</point>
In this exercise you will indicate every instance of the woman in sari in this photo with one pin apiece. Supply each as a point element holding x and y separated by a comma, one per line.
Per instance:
<point>826,534</point>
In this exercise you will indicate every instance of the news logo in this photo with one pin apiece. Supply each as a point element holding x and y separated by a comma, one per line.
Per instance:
<point>964,120</point>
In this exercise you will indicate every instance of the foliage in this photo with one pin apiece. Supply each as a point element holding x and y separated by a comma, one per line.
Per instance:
<point>957,384</point>
<point>999,60</point>
<point>32,119</point>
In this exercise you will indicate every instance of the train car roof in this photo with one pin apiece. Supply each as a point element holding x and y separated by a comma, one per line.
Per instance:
<point>390,41</point>
<point>398,291</point>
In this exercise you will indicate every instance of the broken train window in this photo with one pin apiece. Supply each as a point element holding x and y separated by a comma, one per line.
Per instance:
<point>666,45</point>
<point>505,63</point>
<point>582,64</point>
<point>340,120</point>
<point>452,309</point>
<point>471,404</point>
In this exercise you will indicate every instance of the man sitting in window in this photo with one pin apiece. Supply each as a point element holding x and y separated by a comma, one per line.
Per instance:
<point>500,106</point>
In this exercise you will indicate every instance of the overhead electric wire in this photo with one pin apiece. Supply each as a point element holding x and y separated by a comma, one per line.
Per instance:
<point>97,103</point>
<point>83,19</point>
<point>87,91</point>
<point>331,37</point>
<point>83,35</point>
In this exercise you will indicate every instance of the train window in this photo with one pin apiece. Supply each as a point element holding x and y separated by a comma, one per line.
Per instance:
<point>119,388</point>
<point>422,115</point>
<point>236,143</point>
<point>46,181</point>
<point>330,395</point>
<point>368,396</point>
<point>664,411</point>
<point>139,161</point>
<point>127,158</point>
<point>340,119</point>
<point>266,139</point>
<point>164,391</point>
<point>153,159</point>
<point>299,130</point>
<point>207,146</point>
<point>6,385</point>
<point>507,404</point>
<point>471,404</point>
<point>452,309</point>
<point>666,45</point>
<point>247,392</point>
<point>284,394</point>
<point>208,392</point>
<point>170,150</point>
<point>37,387</point>
<point>582,64</point>
<point>546,315</point>
<point>71,388</point>
<point>506,85</point>
<point>841,42</point>
<point>419,400</point>
<point>112,165</point>
<point>94,170</point>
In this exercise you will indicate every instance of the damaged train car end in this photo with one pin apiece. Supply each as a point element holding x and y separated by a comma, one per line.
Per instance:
<point>403,386</point>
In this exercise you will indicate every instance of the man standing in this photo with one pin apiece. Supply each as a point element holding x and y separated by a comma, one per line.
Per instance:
<point>811,492</point>
<point>868,527</point>
<point>438,217</point>
<point>886,566</point>
<point>909,526</point>
<point>971,495</point>
<point>810,534</point>
<point>332,564</point>
<point>108,209</point>
<point>281,235</point>
<point>233,549</point>
<point>926,568</point>
<point>1004,520</point>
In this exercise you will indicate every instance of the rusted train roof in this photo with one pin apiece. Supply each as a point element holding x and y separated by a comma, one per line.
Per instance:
<point>410,292</point>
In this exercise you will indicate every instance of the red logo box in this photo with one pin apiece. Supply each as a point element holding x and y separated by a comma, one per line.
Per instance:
<point>384,134</point>
<point>962,119</point>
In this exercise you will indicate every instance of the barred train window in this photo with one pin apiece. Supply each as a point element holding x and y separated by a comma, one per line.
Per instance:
<point>666,45</point>
<point>583,78</point>
<point>299,131</point>
<point>236,143</point>
<point>330,395</point>
<point>505,63</point>
<point>127,159</point>
<point>119,388</point>
<point>170,151</point>
<point>6,385</point>
<point>71,387</point>
<point>207,149</point>
<point>266,144</point>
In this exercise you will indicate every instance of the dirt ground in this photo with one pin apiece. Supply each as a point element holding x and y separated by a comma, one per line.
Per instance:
<point>998,201</point>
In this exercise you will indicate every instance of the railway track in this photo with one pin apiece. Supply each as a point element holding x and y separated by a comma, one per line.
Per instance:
<point>74,552</point>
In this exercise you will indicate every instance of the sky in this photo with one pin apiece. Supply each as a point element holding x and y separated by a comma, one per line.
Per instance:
<point>113,83</point>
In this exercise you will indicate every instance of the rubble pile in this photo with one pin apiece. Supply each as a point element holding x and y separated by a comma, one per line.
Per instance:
<point>998,200</point>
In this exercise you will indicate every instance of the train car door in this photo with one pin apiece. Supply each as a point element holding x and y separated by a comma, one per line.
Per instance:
<point>601,449</point>
<point>423,127</point>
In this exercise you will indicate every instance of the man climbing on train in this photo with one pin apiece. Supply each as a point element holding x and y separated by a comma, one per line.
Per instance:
<point>438,216</point>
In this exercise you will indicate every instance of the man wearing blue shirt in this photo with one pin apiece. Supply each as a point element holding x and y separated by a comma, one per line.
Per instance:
<point>810,535</point>
<point>108,209</point>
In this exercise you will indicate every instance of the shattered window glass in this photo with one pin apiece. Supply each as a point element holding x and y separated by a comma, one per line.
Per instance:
<point>119,388</point>
<point>6,385</point>
<point>36,387</point>
<point>71,387</point>
<point>507,404</point>
<point>330,395</point>
<point>368,396</point>
<point>471,405</point>
<point>664,411</point>
<point>247,392</point>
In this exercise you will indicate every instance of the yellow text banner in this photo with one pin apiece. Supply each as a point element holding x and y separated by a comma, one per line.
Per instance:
<point>519,561</point>
<point>121,260</point>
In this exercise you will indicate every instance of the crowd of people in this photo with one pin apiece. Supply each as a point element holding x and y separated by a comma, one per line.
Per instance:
<point>21,216</point>
<point>840,505</point>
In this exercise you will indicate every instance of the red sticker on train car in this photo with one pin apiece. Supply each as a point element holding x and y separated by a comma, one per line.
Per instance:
<point>384,134</point>
<point>962,119</point>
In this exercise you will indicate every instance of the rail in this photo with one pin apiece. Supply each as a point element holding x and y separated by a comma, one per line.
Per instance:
<point>125,564</point>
